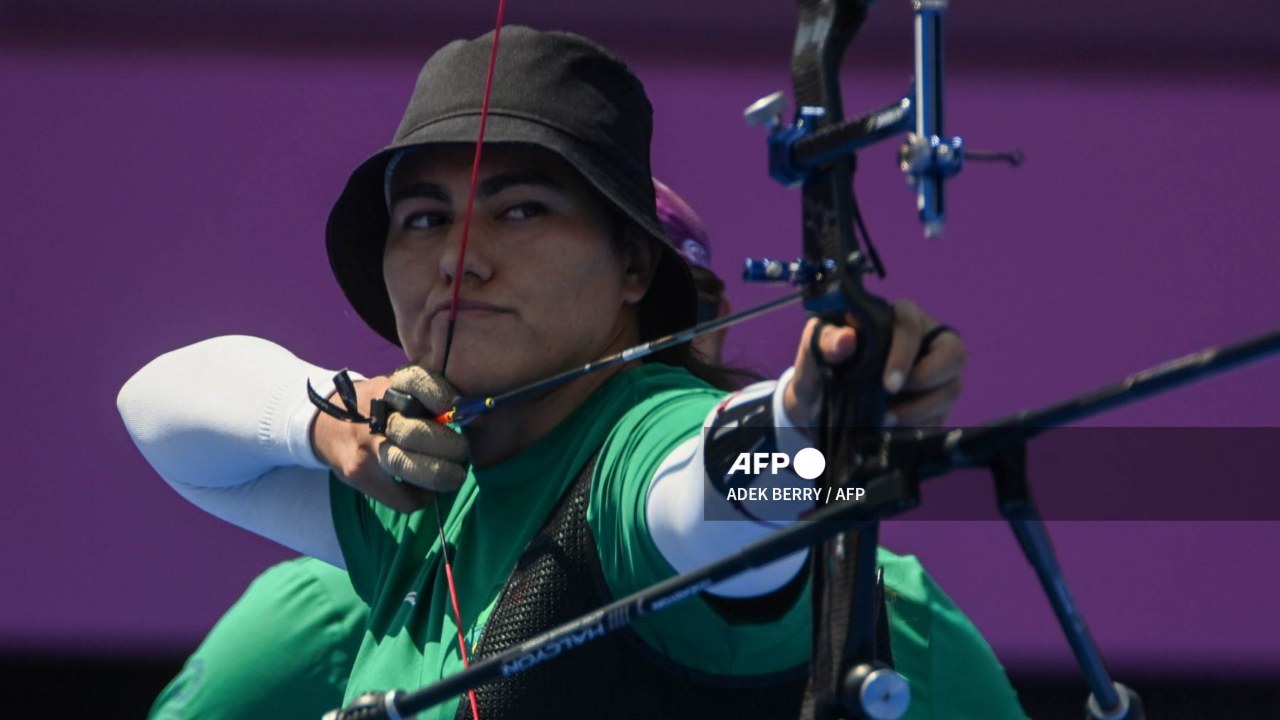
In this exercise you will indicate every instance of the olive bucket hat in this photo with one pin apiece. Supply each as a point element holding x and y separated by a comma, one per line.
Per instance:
<point>554,90</point>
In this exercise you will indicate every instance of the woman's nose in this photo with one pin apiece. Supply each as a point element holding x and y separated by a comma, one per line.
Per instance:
<point>466,251</point>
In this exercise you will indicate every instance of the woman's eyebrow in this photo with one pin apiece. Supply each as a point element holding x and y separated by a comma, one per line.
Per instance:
<point>488,187</point>
<point>430,191</point>
<point>493,185</point>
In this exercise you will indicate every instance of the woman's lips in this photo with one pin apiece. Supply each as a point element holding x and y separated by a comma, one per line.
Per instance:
<point>469,311</point>
<point>468,307</point>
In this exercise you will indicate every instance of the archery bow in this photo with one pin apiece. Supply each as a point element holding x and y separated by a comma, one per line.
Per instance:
<point>848,679</point>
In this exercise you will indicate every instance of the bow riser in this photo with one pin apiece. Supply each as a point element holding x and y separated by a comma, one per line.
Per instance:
<point>853,402</point>
<point>824,32</point>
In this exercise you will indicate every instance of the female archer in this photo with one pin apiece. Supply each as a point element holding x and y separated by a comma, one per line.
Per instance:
<point>538,510</point>
<point>285,648</point>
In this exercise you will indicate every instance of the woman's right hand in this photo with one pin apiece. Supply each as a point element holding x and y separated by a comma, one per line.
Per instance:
<point>414,460</point>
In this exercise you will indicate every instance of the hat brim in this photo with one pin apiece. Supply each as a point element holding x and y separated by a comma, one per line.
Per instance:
<point>357,228</point>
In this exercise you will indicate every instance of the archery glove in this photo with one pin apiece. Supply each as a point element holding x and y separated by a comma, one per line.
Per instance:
<point>419,450</point>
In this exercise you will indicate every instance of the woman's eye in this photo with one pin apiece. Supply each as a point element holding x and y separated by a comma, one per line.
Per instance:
<point>525,211</point>
<point>424,220</point>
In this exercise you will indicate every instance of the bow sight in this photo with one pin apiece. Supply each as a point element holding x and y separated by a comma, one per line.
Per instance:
<point>927,157</point>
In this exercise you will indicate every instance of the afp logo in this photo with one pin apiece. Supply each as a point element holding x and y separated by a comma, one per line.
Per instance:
<point>807,463</point>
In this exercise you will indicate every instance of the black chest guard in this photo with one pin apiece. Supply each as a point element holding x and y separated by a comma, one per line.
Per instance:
<point>619,677</point>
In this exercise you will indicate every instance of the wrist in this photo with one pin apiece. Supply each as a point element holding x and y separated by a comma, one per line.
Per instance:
<point>792,419</point>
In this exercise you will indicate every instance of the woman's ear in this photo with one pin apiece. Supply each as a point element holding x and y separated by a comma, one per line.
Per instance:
<point>641,256</point>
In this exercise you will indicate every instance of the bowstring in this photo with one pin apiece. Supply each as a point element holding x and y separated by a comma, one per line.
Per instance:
<point>453,319</point>
<point>471,193</point>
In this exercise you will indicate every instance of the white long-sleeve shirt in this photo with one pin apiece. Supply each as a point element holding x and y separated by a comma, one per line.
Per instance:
<point>226,422</point>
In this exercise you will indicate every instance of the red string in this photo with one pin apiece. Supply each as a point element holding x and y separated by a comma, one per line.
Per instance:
<point>457,612</point>
<point>475,178</point>
<point>462,642</point>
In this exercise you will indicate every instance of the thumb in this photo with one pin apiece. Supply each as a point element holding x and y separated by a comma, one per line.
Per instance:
<point>821,344</point>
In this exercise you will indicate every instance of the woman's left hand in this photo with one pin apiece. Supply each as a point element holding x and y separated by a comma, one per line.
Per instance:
<point>922,385</point>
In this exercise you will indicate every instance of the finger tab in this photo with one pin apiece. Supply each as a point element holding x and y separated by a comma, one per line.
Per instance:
<point>429,389</point>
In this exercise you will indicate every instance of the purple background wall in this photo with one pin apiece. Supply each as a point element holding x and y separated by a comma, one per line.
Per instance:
<point>155,194</point>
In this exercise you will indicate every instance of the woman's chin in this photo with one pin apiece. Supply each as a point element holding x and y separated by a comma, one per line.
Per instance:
<point>468,377</point>
<point>476,382</point>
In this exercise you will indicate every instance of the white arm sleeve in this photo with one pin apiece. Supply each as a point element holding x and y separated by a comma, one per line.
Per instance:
<point>226,422</point>
<point>675,514</point>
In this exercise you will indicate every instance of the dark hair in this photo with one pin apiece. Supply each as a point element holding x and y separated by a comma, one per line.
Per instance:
<point>652,309</point>
<point>714,373</point>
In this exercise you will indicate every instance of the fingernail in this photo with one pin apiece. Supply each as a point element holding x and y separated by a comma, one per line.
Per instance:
<point>890,420</point>
<point>894,382</point>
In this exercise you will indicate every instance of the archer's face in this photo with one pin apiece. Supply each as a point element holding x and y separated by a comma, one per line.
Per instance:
<point>544,285</point>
